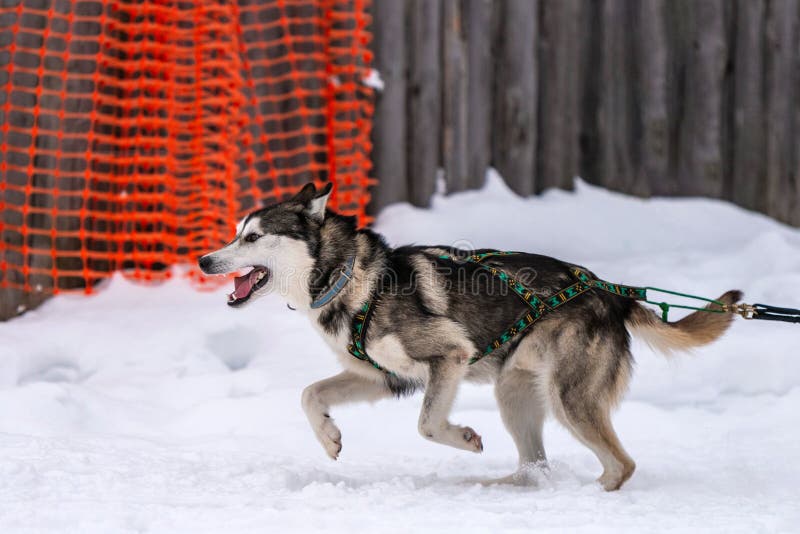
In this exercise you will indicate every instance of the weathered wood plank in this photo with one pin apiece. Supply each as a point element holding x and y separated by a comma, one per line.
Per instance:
<point>615,113</point>
<point>781,82</point>
<point>515,127</point>
<point>748,168</point>
<point>794,190</point>
<point>480,25</point>
<point>699,158</point>
<point>389,129</point>
<point>454,98</point>
<point>560,92</point>
<point>651,61</point>
<point>424,99</point>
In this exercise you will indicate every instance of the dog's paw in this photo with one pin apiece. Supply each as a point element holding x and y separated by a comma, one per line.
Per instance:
<point>472,440</point>
<point>613,479</point>
<point>610,481</point>
<point>330,437</point>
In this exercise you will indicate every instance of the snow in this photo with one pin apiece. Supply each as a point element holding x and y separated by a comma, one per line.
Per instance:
<point>374,80</point>
<point>159,409</point>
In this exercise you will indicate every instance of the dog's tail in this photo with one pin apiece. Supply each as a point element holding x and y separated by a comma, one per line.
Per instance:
<point>694,330</point>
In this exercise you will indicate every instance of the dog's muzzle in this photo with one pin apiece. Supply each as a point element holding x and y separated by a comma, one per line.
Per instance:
<point>244,286</point>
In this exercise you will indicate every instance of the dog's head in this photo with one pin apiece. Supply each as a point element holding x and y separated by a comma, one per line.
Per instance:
<point>276,243</point>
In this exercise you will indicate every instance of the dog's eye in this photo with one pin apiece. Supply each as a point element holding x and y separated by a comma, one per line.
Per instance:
<point>251,237</point>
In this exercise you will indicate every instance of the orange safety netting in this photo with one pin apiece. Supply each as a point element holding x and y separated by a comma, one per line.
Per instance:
<point>134,134</point>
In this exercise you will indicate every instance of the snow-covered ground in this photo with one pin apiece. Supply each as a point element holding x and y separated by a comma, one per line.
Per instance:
<point>159,409</point>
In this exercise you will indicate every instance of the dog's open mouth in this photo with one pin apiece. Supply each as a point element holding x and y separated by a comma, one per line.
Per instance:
<point>243,286</point>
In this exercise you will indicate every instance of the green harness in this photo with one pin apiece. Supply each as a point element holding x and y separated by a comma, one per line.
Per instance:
<point>539,306</point>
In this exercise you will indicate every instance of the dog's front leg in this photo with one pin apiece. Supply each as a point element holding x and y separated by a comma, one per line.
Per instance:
<point>319,397</point>
<point>440,392</point>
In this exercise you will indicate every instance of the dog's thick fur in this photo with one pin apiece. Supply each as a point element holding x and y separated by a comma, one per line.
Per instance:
<point>431,319</point>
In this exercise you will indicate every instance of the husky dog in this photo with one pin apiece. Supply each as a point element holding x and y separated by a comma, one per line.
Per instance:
<point>431,318</point>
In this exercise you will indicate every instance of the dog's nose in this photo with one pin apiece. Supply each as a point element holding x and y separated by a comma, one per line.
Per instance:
<point>205,263</point>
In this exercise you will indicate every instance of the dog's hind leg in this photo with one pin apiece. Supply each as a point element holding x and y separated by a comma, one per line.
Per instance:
<point>440,392</point>
<point>523,411</point>
<point>319,397</point>
<point>592,426</point>
<point>582,397</point>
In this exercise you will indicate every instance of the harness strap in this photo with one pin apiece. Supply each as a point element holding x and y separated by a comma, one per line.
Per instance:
<point>360,323</point>
<point>541,306</point>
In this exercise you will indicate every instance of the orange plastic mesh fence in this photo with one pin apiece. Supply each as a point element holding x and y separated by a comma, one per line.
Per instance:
<point>134,134</point>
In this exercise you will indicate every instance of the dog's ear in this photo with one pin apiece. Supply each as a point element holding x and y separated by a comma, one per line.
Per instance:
<point>315,208</point>
<point>305,195</point>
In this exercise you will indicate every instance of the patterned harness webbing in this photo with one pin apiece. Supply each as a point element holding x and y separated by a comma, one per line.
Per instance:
<point>360,323</point>
<point>540,306</point>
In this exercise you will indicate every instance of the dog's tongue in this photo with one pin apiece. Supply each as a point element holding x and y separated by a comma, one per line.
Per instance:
<point>243,284</point>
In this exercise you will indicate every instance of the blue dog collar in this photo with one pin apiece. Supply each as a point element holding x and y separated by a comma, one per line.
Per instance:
<point>345,275</point>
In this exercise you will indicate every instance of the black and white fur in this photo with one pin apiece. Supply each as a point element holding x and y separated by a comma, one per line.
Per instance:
<point>434,315</point>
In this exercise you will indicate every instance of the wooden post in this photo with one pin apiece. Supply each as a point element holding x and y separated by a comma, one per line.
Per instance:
<point>481,25</point>
<point>424,99</point>
<point>560,91</point>
<point>615,113</point>
<point>781,99</point>
<point>795,183</point>
<point>650,91</point>
<point>748,167</point>
<point>699,164</point>
<point>515,132</point>
<point>390,129</point>
<point>454,98</point>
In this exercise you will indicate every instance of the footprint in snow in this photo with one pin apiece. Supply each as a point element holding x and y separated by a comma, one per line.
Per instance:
<point>53,369</point>
<point>235,347</point>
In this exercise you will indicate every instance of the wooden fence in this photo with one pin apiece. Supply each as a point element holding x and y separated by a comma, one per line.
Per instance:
<point>649,97</point>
